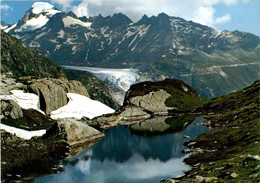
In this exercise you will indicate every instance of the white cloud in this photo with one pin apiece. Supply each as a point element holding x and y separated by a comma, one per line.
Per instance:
<point>224,19</point>
<point>205,15</point>
<point>5,7</point>
<point>65,4</point>
<point>81,10</point>
<point>201,11</point>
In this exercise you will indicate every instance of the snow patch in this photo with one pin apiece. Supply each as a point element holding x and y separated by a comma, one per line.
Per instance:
<point>33,23</point>
<point>69,21</point>
<point>40,35</point>
<point>57,47</point>
<point>24,100</point>
<point>22,133</point>
<point>80,106</point>
<point>3,27</point>
<point>10,28</point>
<point>61,34</point>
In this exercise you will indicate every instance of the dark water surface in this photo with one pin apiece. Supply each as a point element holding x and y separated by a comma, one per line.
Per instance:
<point>125,156</point>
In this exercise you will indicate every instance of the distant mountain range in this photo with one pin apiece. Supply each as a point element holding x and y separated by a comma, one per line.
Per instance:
<point>215,63</point>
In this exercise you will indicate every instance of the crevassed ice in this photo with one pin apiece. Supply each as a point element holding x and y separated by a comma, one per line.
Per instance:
<point>123,78</point>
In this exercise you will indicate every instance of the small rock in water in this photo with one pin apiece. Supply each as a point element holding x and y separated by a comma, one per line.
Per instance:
<point>234,175</point>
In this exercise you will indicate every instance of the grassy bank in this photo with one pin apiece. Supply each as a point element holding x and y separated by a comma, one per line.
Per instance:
<point>231,151</point>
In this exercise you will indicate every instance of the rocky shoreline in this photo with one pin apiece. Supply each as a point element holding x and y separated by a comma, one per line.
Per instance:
<point>231,151</point>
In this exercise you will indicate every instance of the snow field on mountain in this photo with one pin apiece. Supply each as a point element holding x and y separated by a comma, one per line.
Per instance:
<point>33,23</point>
<point>80,106</point>
<point>40,7</point>
<point>69,21</point>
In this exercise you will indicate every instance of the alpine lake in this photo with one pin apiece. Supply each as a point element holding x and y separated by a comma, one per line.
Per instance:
<point>148,151</point>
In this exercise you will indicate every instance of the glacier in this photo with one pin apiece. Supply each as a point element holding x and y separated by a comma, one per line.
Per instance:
<point>123,78</point>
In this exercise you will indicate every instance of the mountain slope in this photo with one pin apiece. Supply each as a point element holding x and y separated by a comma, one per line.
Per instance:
<point>18,60</point>
<point>215,63</point>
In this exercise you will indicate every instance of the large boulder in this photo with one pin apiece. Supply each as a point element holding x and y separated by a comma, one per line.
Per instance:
<point>74,132</point>
<point>52,92</point>
<point>10,108</point>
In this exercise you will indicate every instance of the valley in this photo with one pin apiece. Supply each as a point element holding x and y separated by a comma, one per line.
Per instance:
<point>108,99</point>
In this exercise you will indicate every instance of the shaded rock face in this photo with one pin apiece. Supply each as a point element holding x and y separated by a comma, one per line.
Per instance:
<point>74,132</point>
<point>11,109</point>
<point>52,92</point>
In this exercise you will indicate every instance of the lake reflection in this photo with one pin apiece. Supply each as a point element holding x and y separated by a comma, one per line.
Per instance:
<point>122,156</point>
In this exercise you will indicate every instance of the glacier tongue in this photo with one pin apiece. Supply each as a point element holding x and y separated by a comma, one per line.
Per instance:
<point>123,78</point>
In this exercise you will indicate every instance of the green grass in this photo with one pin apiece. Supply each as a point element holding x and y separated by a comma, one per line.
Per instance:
<point>230,147</point>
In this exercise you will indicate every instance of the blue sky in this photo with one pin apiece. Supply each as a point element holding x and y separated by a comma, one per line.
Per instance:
<point>229,15</point>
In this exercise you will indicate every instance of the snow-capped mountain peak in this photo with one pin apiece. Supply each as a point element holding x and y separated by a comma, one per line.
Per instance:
<point>36,17</point>
<point>44,7</point>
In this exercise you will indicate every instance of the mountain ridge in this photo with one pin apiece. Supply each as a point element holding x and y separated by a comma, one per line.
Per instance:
<point>159,46</point>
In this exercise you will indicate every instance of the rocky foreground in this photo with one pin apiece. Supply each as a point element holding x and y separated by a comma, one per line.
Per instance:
<point>229,152</point>
<point>32,109</point>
